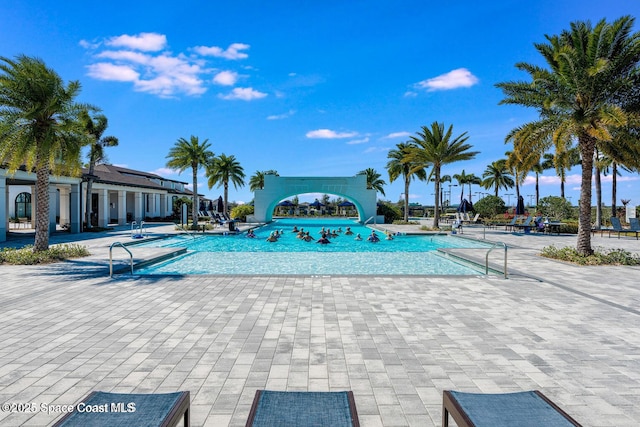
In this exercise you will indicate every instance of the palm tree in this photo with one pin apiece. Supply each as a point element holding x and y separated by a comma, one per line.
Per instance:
<point>190,154</point>
<point>518,169</point>
<point>373,180</point>
<point>39,128</point>
<point>589,69</point>
<point>95,127</point>
<point>256,182</point>
<point>497,176</point>
<point>223,169</point>
<point>398,165</point>
<point>436,147</point>
<point>472,179</point>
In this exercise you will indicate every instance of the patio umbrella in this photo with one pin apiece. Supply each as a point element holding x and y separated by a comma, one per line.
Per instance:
<point>520,206</point>
<point>465,206</point>
<point>210,205</point>
<point>346,204</point>
<point>316,204</point>
<point>220,204</point>
<point>286,203</point>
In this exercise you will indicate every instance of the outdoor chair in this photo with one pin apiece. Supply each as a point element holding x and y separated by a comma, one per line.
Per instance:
<point>287,408</point>
<point>509,225</point>
<point>522,409</point>
<point>526,225</point>
<point>122,409</point>
<point>617,228</point>
<point>634,224</point>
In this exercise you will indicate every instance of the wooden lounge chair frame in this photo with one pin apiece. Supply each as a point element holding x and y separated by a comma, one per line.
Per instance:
<point>451,406</point>
<point>180,411</point>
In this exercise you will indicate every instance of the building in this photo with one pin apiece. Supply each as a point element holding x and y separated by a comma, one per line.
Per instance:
<point>118,196</point>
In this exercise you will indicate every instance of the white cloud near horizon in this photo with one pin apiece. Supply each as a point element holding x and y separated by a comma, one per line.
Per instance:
<point>243,94</point>
<point>454,79</point>
<point>329,134</point>
<point>148,42</point>
<point>226,78</point>
<point>232,52</point>
<point>108,71</point>
<point>358,141</point>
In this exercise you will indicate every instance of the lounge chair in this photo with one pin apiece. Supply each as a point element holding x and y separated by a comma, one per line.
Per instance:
<point>283,408</point>
<point>122,409</point>
<point>526,225</point>
<point>524,409</point>
<point>634,224</point>
<point>617,228</point>
<point>509,225</point>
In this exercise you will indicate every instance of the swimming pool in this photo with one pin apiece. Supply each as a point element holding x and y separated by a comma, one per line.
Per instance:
<point>238,254</point>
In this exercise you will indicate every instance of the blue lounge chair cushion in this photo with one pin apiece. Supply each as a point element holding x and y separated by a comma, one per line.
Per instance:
<point>125,410</point>
<point>522,409</point>
<point>280,408</point>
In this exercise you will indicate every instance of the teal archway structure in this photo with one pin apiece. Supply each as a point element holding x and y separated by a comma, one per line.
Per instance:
<point>276,188</point>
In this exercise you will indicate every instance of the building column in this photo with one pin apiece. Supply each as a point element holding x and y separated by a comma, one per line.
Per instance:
<point>138,215</point>
<point>4,208</point>
<point>65,215</point>
<point>122,207</point>
<point>163,205</point>
<point>53,207</point>
<point>75,211</point>
<point>103,208</point>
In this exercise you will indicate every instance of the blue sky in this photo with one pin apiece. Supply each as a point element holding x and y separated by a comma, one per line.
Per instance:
<point>305,88</point>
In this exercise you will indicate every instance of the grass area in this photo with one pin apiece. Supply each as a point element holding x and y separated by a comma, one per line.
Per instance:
<point>26,255</point>
<point>608,257</point>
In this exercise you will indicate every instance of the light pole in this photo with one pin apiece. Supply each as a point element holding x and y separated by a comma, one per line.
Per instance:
<point>531,196</point>
<point>509,199</point>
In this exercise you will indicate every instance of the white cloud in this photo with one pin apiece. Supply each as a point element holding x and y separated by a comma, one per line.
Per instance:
<point>454,79</point>
<point>281,116</point>
<point>108,71</point>
<point>226,78</point>
<point>148,42</point>
<point>397,135</point>
<point>163,171</point>
<point>358,141</point>
<point>244,94</point>
<point>410,94</point>
<point>329,134</point>
<point>232,52</point>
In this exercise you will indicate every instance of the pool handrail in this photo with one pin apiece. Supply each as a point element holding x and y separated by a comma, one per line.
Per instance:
<point>111,257</point>
<point>185,231</point>
<point>505,257</point>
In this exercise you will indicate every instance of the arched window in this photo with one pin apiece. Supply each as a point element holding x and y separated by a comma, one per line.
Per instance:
<point>23,205</point>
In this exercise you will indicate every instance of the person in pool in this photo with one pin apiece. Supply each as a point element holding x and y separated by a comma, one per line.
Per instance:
<point>250,234</point>
<point>373,238</point>
<point>272,237</point>
<point>358,236</point>
<point>295,229</point>
<point>348,231</point>
<point>389,235</point>
<point>307,237</point>
<point>323,240</point>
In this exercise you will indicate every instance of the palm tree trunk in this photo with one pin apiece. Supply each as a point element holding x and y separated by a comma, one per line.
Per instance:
<point>614,188</point>
<point>537,189</point>
<point>587,147</point>
<point>407,181</point>
<point>195,207</point>
<point>226,196</point>
<point>436,215</point>
<point>598,224</point>
<point>41,242</point>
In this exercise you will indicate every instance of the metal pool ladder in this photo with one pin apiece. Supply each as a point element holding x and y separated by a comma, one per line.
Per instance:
<point>505,257</point>
<point>111,257</point>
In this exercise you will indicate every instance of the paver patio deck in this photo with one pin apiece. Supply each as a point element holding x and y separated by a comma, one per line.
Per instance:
<point>397,342</point>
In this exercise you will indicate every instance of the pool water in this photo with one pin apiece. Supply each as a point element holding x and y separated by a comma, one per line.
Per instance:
<point>238,254</point>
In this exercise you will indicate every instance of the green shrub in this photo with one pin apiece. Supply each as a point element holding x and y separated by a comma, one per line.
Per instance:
<point>26,255</point>
<point>609,257</point>
<point>391,213</point>
<point>489,206</point>
<point>555,207</point>
<point>241,211</point>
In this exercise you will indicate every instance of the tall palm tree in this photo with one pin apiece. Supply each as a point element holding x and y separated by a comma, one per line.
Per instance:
<point>518,170</point>
<point>437,147</point>
<point>95,127</point>
<point>398,165</point>
<point>472,179</point>
<point>223,169</point>
<point>39,128</point>
<point>589,68</point>
<point>190,154</point>
<point>497,176</point>
<point>374,182</point>
<point>256,181</point>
